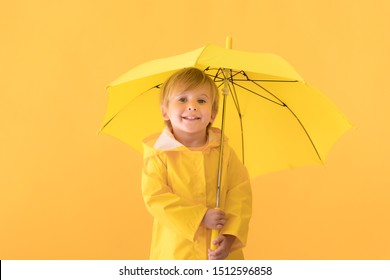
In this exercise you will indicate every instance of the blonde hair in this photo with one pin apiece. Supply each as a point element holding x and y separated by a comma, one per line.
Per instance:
<point>187,79</point>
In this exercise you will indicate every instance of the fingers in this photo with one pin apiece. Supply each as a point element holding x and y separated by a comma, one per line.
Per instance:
<point>214,219</point>
<point>224,243</point>
<point>220,253</point>
<point>212,255</point>
<point>219,223</point>
<point>217,254</point>
<point>218,218</point>
<point>218,240</point>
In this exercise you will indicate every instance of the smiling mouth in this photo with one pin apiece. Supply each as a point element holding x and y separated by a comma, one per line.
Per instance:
<point>191,118</point>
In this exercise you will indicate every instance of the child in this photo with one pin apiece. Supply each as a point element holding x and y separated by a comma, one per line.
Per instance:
<point>179,181</point>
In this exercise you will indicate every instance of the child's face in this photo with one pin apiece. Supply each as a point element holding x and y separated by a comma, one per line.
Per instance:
<point>190,111</point>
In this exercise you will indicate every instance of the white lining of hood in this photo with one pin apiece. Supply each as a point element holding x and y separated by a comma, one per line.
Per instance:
<point>166,140</point>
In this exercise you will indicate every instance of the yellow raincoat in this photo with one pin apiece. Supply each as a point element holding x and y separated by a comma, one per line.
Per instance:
<point>179,185</point>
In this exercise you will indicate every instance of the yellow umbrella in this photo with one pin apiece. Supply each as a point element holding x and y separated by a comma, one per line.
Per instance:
<point>274,119</point>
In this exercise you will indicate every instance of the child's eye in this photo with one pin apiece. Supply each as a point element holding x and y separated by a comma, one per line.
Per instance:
<point>182,99</point>
<point>201,101</point>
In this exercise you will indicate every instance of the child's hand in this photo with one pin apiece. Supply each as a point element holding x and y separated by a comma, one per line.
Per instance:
<point>224,243</point>
<point>214,219</point>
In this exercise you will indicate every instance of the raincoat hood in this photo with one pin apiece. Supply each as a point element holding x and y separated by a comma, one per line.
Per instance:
<point>165,141</point>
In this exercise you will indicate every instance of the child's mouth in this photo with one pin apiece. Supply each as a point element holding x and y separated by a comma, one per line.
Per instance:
<point>191,118</point>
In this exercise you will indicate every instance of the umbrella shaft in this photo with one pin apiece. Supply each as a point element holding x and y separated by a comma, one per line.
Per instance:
<point>225,92</point>
<point>220,160</point>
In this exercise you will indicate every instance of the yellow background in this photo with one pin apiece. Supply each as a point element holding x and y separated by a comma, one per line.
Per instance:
<point>68,193</point>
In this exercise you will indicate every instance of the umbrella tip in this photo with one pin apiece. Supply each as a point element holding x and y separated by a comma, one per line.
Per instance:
<point>229,42</point>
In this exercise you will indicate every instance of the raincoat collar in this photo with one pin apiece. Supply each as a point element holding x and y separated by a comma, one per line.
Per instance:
<point>167,142</point>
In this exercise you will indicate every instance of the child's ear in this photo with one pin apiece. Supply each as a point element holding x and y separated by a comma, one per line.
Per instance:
<point>212,117</point>
<point>164,111</point>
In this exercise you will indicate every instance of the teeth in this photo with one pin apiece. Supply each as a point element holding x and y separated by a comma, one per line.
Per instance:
<point>191,118</point>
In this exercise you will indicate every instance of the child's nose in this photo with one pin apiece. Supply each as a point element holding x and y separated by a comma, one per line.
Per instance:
<point>192,107</point>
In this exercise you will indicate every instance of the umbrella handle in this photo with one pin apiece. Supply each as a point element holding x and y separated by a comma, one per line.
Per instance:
<point>214,235</point>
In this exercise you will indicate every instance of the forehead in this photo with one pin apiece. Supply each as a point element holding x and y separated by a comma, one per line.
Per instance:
<point>202,89</point>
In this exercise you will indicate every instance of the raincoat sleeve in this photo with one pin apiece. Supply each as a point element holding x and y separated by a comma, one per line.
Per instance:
<point>238,201</point>
<point>176,213</point>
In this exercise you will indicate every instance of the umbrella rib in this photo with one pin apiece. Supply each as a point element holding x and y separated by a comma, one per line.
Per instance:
<point>295,116</point>
<point>306,132</point>
<point>267,81</point>
<point>217,78</point>
<point>234,95</point>
<point>232,87</point>
<point>127,104</point>
<point>259,95</point>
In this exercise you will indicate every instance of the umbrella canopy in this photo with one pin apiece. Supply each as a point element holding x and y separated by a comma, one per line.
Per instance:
<point>274,119</point>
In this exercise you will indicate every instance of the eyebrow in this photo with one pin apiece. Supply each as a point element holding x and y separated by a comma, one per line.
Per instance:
<point>204,95</point>
<point>182,94</point>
